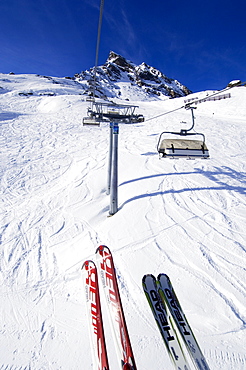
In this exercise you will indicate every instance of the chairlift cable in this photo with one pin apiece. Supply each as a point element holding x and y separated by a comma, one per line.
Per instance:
<point>98,43</point>
<point>186,106</point>
<point>163,114</point>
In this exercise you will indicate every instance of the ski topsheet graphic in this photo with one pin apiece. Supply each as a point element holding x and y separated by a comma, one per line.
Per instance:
<point>94,314</point>
<point>118,323</point>
<point>168,296</point>
<point>167,311</point>
<point>165,323</point>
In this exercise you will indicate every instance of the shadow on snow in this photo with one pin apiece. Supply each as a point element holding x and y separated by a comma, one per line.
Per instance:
<point>227,173</point>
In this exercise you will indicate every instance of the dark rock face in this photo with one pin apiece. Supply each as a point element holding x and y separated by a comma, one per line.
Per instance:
<point>143,80</point>
<point>119,61</point>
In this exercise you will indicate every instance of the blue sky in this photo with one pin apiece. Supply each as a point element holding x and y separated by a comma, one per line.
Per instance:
<point>202,44</point>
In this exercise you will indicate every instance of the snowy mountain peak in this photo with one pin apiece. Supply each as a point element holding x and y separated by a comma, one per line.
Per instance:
<point>119,61</point>
<point>121,78</point>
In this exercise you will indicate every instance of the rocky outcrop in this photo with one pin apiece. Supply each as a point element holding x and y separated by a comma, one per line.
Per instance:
<point>119,77</point>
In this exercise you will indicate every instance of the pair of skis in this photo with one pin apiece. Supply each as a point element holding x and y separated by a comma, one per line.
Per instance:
<point>121,337</point>
<point>171,320</point>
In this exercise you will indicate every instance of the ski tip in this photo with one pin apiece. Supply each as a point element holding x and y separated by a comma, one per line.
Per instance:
<point>146,276</point>
<point>101,248</point>
<point>87,264</point>
<point>166,276</point>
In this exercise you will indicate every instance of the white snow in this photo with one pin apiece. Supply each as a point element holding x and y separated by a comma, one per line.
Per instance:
<point>185,218</point>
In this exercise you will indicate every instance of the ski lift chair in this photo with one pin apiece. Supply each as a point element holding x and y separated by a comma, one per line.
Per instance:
<point>91,119</point>
<point>90,99</point>
<point>137,118</point>
<point>182,147</point>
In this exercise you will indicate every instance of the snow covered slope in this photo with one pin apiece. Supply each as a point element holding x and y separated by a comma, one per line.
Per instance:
<point>185,218</point>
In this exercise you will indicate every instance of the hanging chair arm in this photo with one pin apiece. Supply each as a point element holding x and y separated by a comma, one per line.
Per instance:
<point>164,132</point>
<point>193,118</point>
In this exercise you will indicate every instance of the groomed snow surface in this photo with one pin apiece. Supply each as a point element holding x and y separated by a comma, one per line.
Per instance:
<point>185,218</point>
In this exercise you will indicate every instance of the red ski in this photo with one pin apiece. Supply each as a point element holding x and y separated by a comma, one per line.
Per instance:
<point>109,280</point>
<point>95,315</point>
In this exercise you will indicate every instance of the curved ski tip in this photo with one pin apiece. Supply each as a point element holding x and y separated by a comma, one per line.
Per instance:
<point>166,276</point>
<point>148,275</point>
<point>86,264</point>
<point>101,248</point>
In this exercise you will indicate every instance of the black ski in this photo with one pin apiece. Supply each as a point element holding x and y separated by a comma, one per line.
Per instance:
<point>169,297</point>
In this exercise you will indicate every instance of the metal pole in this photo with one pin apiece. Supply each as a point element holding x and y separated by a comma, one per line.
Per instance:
<point>113,208</point>
<point>110,157</point>
<point>193,118</point>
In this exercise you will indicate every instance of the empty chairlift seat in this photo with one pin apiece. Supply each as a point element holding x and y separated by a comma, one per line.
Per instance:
<point>182,148</point>
<point>91,121</point>
<point>93,118</point>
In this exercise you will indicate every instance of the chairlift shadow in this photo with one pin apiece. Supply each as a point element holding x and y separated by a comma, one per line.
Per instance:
<point>8,116</point>
<point>211,175</point>
<point>149,153</point>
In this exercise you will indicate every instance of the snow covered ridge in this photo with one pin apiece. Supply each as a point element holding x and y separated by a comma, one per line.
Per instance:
<point>27,85</point>
<point>121,78</point>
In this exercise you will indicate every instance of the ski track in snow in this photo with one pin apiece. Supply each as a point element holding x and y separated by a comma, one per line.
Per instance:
<point>184,218</point>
